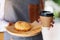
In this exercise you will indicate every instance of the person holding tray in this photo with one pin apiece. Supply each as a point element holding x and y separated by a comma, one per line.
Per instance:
<point>15,10</point>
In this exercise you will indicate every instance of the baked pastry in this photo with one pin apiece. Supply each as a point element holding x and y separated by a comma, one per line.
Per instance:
<point>23,26</point>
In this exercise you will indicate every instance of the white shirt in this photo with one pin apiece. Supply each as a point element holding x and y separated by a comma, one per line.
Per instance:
<point>3,23</point>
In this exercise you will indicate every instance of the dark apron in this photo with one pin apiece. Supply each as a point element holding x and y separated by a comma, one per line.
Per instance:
<point>16,10</point>
<point>7,36</point>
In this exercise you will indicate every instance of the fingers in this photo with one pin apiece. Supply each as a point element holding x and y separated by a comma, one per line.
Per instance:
<point>10,23</point>
<point>53,22</point>
<point>39,20</point>
<point>51,25</point>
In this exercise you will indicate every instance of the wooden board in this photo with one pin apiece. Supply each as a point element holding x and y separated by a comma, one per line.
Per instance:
<point>34,31</point>
<point>1,36</point>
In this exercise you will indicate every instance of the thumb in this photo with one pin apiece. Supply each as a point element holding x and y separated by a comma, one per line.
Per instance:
<point>10,23</point>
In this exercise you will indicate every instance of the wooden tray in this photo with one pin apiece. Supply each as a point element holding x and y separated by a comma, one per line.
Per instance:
<point>34,31</point>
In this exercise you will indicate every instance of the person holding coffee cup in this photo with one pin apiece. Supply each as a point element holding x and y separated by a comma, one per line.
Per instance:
<point>46,18</point>
<point>46,21</point>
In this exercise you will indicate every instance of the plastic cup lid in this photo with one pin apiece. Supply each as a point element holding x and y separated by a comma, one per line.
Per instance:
<point>46,13</point>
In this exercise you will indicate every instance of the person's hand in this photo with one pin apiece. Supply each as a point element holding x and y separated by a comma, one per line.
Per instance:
<point>51,25</point>
<point>10,23</point>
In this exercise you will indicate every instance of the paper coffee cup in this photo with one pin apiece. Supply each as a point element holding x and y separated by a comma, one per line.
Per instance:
<point>46,18</point>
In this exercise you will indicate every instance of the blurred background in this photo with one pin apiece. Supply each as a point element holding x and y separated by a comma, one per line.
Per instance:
<point>55,5</point>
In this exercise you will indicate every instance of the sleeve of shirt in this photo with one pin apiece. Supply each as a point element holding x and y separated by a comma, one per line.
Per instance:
<point>3,24</point>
